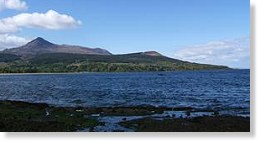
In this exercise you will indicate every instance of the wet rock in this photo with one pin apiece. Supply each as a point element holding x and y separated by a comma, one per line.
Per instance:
<point>198,124</point>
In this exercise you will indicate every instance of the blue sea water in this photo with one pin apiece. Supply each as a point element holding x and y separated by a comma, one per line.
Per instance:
<point>227,91</point>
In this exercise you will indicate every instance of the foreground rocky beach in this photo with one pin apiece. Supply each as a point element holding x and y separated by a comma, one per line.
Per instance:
<point>16,116</point>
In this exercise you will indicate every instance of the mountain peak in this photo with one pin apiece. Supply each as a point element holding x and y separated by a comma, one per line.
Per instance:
<point>39,38</point>
<point>42,46</point>
<point>39,42</point>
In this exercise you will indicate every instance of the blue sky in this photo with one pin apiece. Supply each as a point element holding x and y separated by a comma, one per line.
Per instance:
<point>174,28</point>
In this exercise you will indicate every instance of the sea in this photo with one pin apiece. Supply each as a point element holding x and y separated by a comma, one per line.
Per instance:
<point>225,91</point>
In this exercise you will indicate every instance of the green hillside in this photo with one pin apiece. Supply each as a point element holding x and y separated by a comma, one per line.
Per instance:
<point>65,62</point>
<point>8,57</point>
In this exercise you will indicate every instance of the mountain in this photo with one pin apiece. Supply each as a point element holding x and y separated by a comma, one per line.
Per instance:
<point>42,46</point>
<point>41,56</point>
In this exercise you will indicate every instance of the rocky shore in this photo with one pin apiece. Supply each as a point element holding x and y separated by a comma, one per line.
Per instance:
<point>18,116</point>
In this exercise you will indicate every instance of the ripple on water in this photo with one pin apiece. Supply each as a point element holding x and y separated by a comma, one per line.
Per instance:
<point>220,90</point>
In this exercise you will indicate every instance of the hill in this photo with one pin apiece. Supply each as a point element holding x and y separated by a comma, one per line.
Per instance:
<point>41,56</point>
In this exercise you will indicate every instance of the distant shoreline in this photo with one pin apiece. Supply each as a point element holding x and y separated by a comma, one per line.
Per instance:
<point>41,73</point>
<point>115,72</point>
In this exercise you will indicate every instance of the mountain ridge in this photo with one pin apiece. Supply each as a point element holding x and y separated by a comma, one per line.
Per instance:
<point>41,56</point>
<point>41,46</point>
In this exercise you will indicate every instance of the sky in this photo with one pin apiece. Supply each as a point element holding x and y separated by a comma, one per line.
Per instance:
<point>203,31</point>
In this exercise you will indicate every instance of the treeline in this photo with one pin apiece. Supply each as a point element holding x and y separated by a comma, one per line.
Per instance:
<point>102,67</point>
<point>65,62</point>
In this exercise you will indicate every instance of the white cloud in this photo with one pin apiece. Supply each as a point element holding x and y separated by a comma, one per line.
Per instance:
<point>8,41</point>
<point>13,4</point>
<point>50,20</point>
<point>234,53</point>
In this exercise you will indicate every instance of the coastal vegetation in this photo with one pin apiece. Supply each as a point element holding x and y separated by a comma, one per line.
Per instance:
<point>66,62</point>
